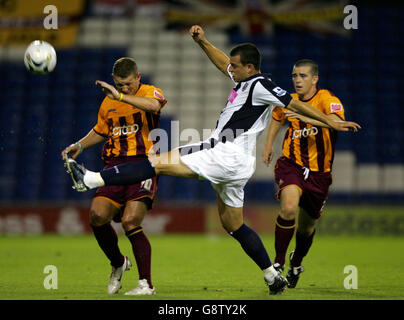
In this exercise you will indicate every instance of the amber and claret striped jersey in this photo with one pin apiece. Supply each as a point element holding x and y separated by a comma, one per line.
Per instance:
<point>307,145</point>
<point>126,127</point>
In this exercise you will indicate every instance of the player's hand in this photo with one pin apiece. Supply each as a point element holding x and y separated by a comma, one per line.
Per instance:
<point>109,90</point>
<point>73,150</point>
<point>197,33</point>
<point>267,155</point>
<point>341,125</point>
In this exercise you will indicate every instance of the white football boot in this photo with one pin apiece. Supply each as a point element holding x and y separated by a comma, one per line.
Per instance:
<point>142,289</point>
<point>114,283</point>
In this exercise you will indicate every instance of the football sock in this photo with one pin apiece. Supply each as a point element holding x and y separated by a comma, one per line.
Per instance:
<point>108,242</point>
<point>303,244</point>
<point>284,230</point>
<point>270,274</point>
<point>128,173</point>
<point>252,245</point>
<point>142,251</point>
<point>93,179</point>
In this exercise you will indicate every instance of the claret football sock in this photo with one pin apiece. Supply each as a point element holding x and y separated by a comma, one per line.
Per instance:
<point>303,244</point>
<point>252,245</point>
<point>108,242</point>
<point>128,173</point>
<point>284,230</point>
<point>142,251</point>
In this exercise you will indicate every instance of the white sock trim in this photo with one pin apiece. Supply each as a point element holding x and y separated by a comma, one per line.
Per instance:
<point>270,274</point>
<point>93,179</point>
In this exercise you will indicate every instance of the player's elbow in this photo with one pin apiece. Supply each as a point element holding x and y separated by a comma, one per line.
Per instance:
<point>154,106</point>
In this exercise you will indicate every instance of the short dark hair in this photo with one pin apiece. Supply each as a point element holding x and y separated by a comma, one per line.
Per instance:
<point>249,53</point>
<point>124,67</point>
<point>308,63</point>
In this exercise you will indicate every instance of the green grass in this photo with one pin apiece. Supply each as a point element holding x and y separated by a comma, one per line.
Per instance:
<point>198,267</point>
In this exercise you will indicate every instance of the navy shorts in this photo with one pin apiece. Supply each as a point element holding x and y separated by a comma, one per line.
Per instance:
<point>120,195</point>
<point>313,186</point>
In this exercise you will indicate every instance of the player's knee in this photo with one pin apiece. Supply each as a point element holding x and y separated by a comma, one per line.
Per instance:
<point>129,223</point>
<point>226,226</point>
<point>288,211</point>
<point>97,219</point>
<point>306,231</point>
<point>231,225</point>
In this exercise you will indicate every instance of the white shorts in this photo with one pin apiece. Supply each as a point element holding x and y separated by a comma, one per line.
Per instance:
<point>226,166</point>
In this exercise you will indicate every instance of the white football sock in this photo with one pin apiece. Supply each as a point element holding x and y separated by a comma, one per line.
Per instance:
<point>270,274</point>
<point>93,179</point>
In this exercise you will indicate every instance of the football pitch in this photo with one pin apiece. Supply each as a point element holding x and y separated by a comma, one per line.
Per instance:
<point>199,267</point>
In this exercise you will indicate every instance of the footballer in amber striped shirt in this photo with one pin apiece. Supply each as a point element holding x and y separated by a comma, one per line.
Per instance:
<point>128,113</point>
<point>308,145</point>
<point>303,172</point>
<point>127,127</point>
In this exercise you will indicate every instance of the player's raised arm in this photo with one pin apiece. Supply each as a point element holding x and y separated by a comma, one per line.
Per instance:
<point>294,115</point>
<point>311,112</point>
<point>143,103</point>
<point>218,57</point>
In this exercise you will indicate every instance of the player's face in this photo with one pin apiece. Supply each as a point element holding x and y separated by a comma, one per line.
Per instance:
<point>303,80</point>
<point>238,70</point>
<point>128,85</point>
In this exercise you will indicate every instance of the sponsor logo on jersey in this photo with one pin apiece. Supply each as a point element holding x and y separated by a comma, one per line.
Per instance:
<point>335,107</point>
<point>244,87</point>
<point>125,130</point>
<point>233,95</point>
<point>158,95</point>
<point>111,110</point>
<point>304,133</point>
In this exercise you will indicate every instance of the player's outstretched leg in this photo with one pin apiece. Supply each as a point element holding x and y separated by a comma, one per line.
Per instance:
<point>123,174</point>
<point>253,246</point>
<point>232,221</point>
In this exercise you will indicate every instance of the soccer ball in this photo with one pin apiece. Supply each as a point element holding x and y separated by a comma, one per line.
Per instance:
<point>40,57</point>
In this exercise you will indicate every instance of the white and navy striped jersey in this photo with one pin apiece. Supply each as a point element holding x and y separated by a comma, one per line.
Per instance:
<point>246,113</point>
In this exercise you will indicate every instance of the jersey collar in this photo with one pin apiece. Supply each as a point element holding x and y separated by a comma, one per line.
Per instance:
<point>307,100</point>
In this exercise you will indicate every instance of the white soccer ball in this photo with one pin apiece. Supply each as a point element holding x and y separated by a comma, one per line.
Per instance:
<point>40,57</point>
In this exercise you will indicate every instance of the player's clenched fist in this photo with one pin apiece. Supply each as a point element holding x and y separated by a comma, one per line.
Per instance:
<point>197,33</point>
